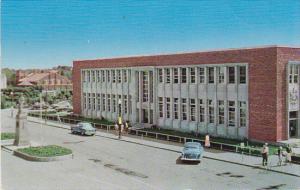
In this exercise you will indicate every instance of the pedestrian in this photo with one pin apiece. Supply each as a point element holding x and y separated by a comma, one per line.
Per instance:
<point>117,127</point>
<point>265,152</point>
<point>289,154</point>
<point>280,155</point>
<point>207,141</point>
<point>122,128</point>
<point>126,127</point>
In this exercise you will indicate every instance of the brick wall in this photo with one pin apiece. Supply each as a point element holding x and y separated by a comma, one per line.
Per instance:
<point>267,89</point>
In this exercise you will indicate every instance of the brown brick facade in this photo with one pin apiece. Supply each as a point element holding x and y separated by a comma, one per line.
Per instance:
<point>266,74</point>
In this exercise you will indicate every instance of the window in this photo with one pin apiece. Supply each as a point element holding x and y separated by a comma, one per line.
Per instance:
<point>231,75</point>
<point>192,75</point>
<point>296,72</point>
<point>242,71</point>
<point>84,100</point>
<point>94,101</point>
<point>114,103</point>
<point>125,76</point>
<point>175,76</point>
<point>192,109</point>
<point>201,111</point>
<point>89,101</point>
<point>108,75</point>
<point>103,102</point>
<point>83,76</point>
<point>211,114</point>
<point>119,109</point>
<point>113,73</point>
<point>175,104</point>
<point>103,75</point>
<point>98,76</point>
<point>119,76</point>
<point>160,76</point>
<point>125,103</point>
<point>183,109</point>
<point>221,75</point>
<point>98,102</point>
<point>231,113</point>
<point>93,76</point>
<point>168,110</point>
<point>161,107</point>
<point>183,75</point>
<point>145,87</point>
<point>291,74</point>
<point>243,114</point>
<point>168,75</point>
<point>211,75</point>
<point>129,104</point>
<point>108,102</point>
<point>88,76</point>
<point>202,75</point>
<point>221,111</point>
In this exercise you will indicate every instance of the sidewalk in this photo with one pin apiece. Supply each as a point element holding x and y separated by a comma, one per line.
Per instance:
<point>245,160</point>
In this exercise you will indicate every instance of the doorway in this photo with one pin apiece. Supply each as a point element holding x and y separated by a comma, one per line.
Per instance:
<point>145,116</point>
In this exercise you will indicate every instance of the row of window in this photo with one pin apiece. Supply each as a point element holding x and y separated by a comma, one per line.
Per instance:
<point>205,110</point>
<point>294,73</point>
<point>203,75</point>
<point>107,102</point>
<point>114,76</point>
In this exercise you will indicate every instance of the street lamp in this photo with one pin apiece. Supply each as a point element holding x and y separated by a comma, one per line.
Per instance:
<point>12,109</point>
<point>119,117</point>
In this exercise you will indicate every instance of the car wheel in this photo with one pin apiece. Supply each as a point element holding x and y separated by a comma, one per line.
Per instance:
<point>82,133</point>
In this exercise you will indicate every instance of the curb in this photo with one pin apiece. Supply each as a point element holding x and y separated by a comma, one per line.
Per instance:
<point>42,159</point>
<point>242,164</point>
<point>7,142</point>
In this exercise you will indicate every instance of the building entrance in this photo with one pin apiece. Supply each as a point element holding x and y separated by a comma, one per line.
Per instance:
<point>145,116</point>
<point>293,124</point>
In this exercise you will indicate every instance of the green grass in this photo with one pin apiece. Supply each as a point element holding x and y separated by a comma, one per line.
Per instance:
<point>46,151</point>
<point>6,136</point>
<point>272,148</point>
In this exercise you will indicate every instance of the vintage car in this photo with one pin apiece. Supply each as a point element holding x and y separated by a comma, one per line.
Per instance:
<point>83,128</point>
<point>192,151</point>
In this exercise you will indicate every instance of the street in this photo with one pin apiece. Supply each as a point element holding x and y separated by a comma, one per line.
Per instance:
<point>105,163</point>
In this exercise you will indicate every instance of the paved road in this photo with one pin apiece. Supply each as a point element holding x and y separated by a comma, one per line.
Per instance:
<point>103,163</point>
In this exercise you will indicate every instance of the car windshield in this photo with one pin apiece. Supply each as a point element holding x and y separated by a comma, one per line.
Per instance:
<point>192,145</point>
<point>87,126</point>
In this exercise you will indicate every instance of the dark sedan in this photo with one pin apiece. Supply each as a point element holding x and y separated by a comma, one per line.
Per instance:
<point>83,128</point>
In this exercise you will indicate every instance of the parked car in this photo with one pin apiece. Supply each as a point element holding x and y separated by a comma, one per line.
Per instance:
<point>192,151</point>
<point>83,128</point>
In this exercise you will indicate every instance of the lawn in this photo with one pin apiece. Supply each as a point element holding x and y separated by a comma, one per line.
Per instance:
<point>46,151</point>
<point>272,148</point>
<point>6,136</point>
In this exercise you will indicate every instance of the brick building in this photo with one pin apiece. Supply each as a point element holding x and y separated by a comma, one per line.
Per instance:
<point>237,93</point>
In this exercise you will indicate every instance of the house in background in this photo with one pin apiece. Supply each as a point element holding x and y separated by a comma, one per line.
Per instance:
<point>3,81</point>
<point>47,79</point>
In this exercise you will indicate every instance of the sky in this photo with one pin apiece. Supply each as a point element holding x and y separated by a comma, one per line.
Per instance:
<point>48,33</point>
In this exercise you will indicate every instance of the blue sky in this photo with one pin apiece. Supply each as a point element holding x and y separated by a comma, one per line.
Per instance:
<point>43,34</point>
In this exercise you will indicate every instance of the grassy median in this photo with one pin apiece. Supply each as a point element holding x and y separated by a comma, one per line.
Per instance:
<point>46,151</point>
<point>7,136</point>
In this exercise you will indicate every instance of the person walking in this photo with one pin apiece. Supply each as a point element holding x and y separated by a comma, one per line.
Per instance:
<point>207,141</point>
<point>126,127</point>
<point>280,155</point>
<point>289,154</point>
<point>265,152</point>
<point>117,128</point>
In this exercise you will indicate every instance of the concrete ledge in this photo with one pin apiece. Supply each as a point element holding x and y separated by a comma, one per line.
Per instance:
<point>42,159</point>
<point>7,142</point>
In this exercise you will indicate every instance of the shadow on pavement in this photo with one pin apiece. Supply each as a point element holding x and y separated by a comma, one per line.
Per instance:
<point>180,162</point>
